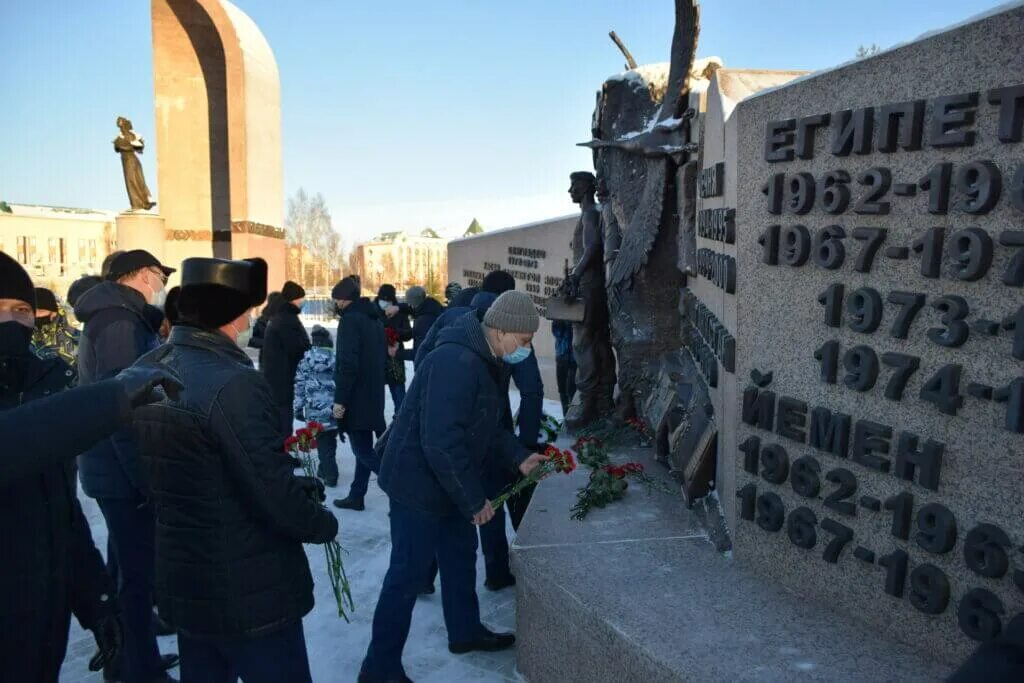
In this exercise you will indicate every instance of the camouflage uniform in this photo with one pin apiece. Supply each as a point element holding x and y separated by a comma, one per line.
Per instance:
<point>56,339</point>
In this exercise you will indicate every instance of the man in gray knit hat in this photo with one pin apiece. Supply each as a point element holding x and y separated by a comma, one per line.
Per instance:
<point>432,470</point>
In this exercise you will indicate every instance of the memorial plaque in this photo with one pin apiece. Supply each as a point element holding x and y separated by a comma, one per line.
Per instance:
<point>880,336</point>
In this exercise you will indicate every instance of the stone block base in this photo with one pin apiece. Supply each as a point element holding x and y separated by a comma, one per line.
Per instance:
<point>636,592</point>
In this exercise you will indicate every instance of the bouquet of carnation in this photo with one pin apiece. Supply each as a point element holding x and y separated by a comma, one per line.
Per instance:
<point>550,427</point>
<point>641,428</point>
<point>606,485</point>
<point>301,444</point>
<point>392,336</point>
<point>591,451</point>
<point>557,461</point>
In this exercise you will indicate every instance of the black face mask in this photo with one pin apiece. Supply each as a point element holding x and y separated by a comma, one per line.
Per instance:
<point>14,339</point>
<point>338,310</point>
<point>42,321</point>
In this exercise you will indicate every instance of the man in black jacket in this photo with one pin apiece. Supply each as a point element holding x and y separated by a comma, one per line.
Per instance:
<point>395,370</point>
<point>424,311</point>
<point>121,324</point>
<point>51,568</point>
<point>285,343</point>
<point>359,375</point>
<point>232,576</point>
<point>433,471</point>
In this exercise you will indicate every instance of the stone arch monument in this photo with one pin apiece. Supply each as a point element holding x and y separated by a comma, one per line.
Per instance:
<point>218,132</point>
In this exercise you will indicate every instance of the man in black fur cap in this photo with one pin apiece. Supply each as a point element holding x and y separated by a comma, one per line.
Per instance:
<point>231,573</point>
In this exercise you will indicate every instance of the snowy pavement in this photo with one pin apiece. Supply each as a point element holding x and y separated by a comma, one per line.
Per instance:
<point>335,648</point>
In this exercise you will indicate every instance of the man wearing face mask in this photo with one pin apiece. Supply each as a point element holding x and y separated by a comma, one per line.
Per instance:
<point>386,298</point>
<point>285,343</point>
<point>120,328</point>
<point>432,471</point>
<point>232,575</point>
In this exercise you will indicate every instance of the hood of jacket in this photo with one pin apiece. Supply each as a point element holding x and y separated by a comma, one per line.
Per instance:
<point>483,300</point>
<point>109,295</point>
<point>464,298</point>
<point>362,306</point>
<point>467,331</point>
<point>429,307</point>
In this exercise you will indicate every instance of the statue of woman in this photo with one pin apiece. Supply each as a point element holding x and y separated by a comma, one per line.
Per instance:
<point>127,144</point>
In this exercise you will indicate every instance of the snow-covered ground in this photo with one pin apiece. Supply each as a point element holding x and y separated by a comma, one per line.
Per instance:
<point>335,648</point>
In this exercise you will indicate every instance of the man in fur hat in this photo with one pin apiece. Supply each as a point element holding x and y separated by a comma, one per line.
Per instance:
<point>231,573</point>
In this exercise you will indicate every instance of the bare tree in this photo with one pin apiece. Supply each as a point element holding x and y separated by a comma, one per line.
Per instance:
<point>867,50</point>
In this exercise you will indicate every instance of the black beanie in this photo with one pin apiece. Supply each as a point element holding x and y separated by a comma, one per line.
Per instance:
<point>498,282</point>
<point>46,300</point>
<point>80,287</point>
<point>387,293</point>
<point>15,282</point>
<point>345,290</point>
<point>292,291</point>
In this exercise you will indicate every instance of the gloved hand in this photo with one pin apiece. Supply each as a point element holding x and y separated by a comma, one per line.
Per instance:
<point>314,487</point>
<point>139,382</point>
<point>108,642</point>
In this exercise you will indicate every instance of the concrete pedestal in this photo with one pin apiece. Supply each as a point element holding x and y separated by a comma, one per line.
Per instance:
<point>636,592</point>
<point>139,230</point>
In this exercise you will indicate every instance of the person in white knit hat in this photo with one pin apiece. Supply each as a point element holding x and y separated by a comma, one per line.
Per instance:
<point>432,470</point>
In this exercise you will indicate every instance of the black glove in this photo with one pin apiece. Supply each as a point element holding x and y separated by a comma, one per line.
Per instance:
<point>108,642</point>
<point>296,462</point>
<point>139,382</point>
<point>314,487</point>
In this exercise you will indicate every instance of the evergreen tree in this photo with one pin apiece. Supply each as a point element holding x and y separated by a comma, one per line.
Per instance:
<point>474,229</point>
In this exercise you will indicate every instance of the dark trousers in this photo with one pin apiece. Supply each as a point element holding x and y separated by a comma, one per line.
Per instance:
<point>366,461</point>
<point>327,450</point>
<point>32,645</point>
<point>131,528</point>
<point>517,505</point>
<point>565,373</point>
<point>397,395</point>
<point>416,539</point>
<point>271,658</point>
<point>493,537</point>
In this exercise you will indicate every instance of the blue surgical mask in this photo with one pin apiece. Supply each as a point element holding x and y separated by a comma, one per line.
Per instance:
<point>518,356</point>
<point>383,304</point>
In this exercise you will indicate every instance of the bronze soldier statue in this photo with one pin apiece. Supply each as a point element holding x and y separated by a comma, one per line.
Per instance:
<point>595,361</point>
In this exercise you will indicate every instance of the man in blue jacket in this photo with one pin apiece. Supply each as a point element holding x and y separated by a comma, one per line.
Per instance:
<point>120,328</point>
<point>359,377</point>
<point>432,470</point>
<point>527,377</point>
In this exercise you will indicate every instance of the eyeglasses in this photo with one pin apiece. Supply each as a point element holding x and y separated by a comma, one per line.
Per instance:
<point>160,274</point>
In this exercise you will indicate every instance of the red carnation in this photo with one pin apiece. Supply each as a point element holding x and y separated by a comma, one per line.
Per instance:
<point>392,336</point>
<point>290,443</point>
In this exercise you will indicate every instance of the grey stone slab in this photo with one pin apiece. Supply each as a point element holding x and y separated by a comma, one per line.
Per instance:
<point>640,514</point>
<point>675,610</point>
<point>781,324</point>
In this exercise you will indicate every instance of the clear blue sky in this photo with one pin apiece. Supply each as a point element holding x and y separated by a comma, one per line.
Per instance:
<point>403,113</point>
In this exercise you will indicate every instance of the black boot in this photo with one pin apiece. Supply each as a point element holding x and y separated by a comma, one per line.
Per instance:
<point>349,503</point>
<point>500,582</point>
<point>488,641</point>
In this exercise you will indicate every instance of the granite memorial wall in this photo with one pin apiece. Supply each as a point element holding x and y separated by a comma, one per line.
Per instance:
<point>879,240</point>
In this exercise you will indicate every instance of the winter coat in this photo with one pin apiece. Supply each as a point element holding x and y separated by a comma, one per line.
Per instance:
<point>284,345</point>
<point>314,387</point>
<point>51,567</point>
<point>525,374</point>
<point>231,516</point>
<point>395,367</point>
<point>119,329</point>
<point>450,423</point>
<point>423,320</point>
<point>259,332</point>
<point>359,371</point>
